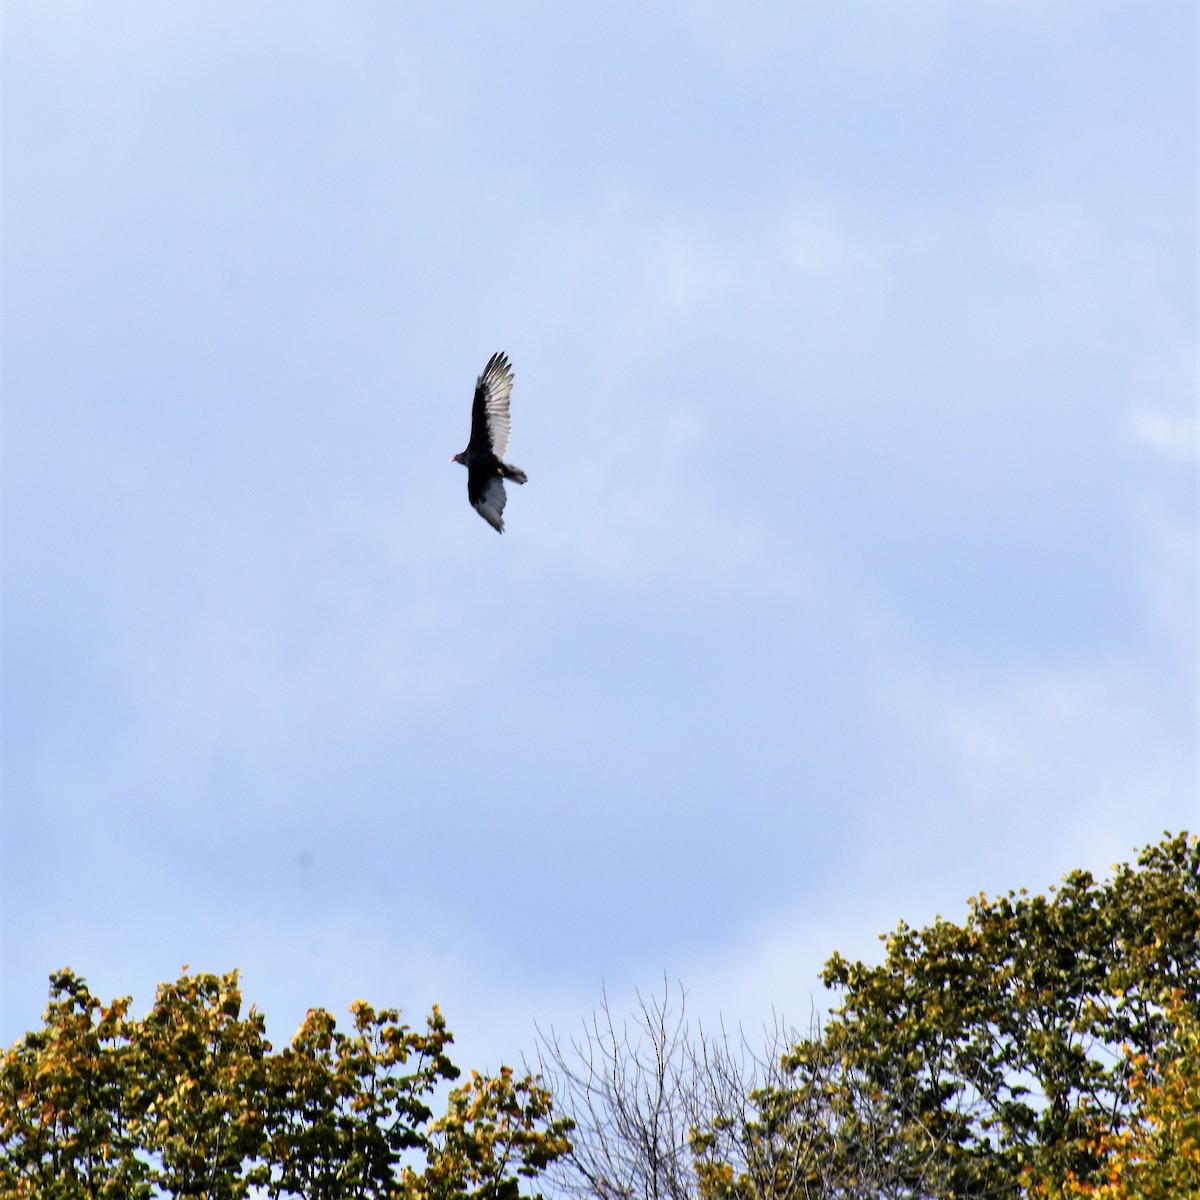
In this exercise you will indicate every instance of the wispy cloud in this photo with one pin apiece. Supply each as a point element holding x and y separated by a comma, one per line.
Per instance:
<point>858,541</point>
<point>1172,435</point>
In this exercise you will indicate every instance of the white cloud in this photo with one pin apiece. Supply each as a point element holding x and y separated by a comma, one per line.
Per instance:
<point>1017,783</point>
<point>1169,571</point>
<point>815,244</point>
<point>1173,435</point>
<point>1163,425</point>
<point>1074,767</point>
<point>818,48</point>
<point>679,332</point>
<point>1163,416</point>
<point>775,972</point>
<point>107,58</point>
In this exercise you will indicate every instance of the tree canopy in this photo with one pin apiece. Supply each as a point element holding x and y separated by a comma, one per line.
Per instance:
<point>192,1100</point>
<point>1045,1046</point>
<point>999,1055</point>
<point>1156,1156</point>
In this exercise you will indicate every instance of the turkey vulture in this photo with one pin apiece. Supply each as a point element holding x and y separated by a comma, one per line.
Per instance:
<point>484,455</point>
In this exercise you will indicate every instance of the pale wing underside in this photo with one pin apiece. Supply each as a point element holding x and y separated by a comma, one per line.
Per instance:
<point>490,504</point>
<point>495,384</point>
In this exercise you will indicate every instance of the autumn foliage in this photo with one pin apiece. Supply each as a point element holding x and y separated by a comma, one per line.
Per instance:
<point>1156,1155</point>
<point>1045,1047</point>
<point>1042,1048</point>
<point>193,1100</point>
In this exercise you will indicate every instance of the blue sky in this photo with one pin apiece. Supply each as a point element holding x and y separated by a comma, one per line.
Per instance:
<point>855,351</point>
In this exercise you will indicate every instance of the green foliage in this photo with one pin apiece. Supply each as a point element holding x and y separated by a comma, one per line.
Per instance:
<point>493,1126</point>
<point>979,1056</point>
<point>192,1101</point>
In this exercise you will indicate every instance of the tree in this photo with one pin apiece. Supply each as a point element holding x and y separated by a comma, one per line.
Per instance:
<point>635,1096</point>
<point>978,1056</point>
<point>662,1111</point>
<point>1157,1155</point>
<point>193,1101</point>
<point>1035,1049</point>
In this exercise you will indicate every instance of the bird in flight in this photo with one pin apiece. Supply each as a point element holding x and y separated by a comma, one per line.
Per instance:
<point>484,455</point>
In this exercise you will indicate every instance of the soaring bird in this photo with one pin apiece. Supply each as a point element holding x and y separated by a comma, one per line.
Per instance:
<point>484,455</point>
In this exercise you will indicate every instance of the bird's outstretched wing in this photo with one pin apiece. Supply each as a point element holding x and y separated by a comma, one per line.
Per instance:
<point>487,494</point>
<point>489,413</point>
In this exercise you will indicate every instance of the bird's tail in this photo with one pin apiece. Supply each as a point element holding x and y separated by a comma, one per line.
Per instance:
<point>513,473</point>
